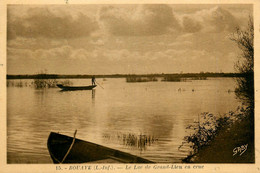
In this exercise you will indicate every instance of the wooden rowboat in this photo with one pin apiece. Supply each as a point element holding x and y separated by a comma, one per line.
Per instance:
<point>65,149</point>
<point>71,88</point>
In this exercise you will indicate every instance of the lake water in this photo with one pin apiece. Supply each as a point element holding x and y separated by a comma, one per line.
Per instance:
<point>114,116</point>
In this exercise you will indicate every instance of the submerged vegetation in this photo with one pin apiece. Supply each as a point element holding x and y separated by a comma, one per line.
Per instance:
<point>134,78</point>
<point>139,141</point>
<point>39,82</point>
<point>171,78</point>
<point>19,83</point>
<point>165,78</point>
<point>199,78</point>
<point>133,140</point>
<point>49,83</point>
<point>45,83</point>
<point>42,82</point>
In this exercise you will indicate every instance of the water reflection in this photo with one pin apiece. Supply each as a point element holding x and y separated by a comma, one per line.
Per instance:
<point>93,94</point>
<point>145,119</point>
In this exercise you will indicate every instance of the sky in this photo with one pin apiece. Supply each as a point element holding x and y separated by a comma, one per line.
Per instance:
<point>123,39</point>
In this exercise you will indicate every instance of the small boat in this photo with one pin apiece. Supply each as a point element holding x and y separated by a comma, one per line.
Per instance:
<point>71,88</point>
<point>65,149</point>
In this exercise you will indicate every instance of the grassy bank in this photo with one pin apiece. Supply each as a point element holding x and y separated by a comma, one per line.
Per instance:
<point>233,142</point>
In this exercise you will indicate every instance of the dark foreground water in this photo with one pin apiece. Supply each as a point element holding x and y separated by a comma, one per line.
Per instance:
<point>145,119</point>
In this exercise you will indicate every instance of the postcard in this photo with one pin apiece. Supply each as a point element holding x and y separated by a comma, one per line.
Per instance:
<point>129,86</point>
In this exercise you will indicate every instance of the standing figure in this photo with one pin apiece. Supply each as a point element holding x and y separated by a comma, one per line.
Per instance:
<point>93,80</point>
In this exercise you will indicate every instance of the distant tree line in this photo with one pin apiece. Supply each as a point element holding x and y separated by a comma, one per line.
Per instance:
<point>182,75</point>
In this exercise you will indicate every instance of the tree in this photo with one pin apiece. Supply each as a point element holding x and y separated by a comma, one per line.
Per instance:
<point>245,65</point>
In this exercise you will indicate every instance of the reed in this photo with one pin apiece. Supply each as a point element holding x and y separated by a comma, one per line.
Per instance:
<point>16,83</point>
<point>133,140</point>
<point>66,82</point>
<point>171,78</point>
<point>141,79</point>
<point>42,81</point>
<point>37,83</point>
<point>199,78</point>
<point>50,83</point>
<point>45,83</point>
<point>138,141</point>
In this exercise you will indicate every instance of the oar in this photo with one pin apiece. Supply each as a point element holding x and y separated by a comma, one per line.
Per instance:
<point>99,85</point>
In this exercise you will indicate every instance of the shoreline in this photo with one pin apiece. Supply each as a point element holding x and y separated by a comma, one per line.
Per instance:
<point>234,143</point>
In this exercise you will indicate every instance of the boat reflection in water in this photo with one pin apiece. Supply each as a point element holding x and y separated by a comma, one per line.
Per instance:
<point>93,94</point>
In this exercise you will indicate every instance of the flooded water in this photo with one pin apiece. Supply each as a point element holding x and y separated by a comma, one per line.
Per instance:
<point>146,119</point>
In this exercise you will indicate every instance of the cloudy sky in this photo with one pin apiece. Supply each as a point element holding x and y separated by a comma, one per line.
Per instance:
<point>122,39</point>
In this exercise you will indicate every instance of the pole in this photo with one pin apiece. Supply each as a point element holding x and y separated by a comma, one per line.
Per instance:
<point>99,85</point>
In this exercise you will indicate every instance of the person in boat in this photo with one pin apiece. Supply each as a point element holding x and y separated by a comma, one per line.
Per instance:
<point>93,80</point>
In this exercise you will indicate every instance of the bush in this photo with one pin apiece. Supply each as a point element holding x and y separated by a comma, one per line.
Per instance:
<point>203,131</point>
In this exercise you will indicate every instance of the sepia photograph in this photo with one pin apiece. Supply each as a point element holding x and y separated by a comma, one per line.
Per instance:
<point>160,84</point>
